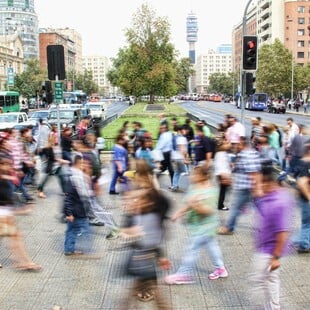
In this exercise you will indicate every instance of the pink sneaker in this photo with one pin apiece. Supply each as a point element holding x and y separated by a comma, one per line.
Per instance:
<point>179,279</point>
<point>218,273</point>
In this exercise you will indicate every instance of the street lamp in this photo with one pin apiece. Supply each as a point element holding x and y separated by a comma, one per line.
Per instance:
<point>292,63</point>
<point>6,52</point>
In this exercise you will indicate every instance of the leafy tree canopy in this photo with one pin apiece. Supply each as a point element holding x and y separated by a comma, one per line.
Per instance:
<point>148,66</point>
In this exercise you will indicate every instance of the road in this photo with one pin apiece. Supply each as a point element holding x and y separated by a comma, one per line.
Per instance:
<point>214,114</point>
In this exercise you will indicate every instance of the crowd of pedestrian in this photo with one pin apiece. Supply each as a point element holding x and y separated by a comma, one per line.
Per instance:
<point>227,170</point>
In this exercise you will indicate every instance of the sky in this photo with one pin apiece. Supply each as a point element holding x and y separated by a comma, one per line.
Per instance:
<point>102,23</point>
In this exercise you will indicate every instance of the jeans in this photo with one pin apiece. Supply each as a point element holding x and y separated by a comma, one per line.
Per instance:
<point>45,176</point>
<point>115,176</point>
<point>304,241</point>
<point>178,167</point>
<point>23,188</point>
<point>191,253</point>
<point>240,199</point>
<point>79,226</point>
<point>265,284</point>
<point>166,164</point>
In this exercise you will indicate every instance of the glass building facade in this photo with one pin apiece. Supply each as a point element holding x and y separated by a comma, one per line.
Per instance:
<point>19,17</point>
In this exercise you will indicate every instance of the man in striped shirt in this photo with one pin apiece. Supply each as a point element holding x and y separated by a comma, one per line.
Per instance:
<point>246,177</point>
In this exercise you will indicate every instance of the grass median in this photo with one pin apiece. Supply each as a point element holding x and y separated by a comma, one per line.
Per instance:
<point>147,115</point>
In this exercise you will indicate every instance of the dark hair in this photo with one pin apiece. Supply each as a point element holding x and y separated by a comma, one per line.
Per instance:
<point>77,158</point>
<point>268,171</point>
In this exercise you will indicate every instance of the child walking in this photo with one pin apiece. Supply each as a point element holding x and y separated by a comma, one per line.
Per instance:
<point>200,216</point>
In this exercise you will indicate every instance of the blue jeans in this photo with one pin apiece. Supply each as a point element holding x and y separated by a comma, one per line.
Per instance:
<point>178,167</point>
<point>80,226</point>
<point>115,176</point>
<point>240,198</point>
<point>304,241</point>
<point>191,253</point>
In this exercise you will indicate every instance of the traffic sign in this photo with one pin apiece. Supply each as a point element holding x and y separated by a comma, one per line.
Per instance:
<point>10,77</point>
<point>58,90</point>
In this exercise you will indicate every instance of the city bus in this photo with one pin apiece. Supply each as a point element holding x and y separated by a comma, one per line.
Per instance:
<point>256,102</point>
<point>9,101</point>
<point>74,97</point>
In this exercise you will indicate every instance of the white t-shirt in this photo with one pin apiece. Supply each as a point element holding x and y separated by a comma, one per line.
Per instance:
<point>180,140</point>
<point>221,163</point>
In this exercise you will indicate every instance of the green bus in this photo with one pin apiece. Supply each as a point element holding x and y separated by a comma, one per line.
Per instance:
<point>9,101</point>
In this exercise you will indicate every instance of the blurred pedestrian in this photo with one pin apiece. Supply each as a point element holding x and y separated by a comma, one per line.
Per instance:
<point>76,206</point>
<point>66,143</point>
<point>222,171</point>
<point>8,227</point>
<point>303,185</point>
<point>246,177</point>
<point>200,216</point>
<point>51,165</point>
<point>179,157</point>
<point>164,145</point>
<point>274,212</point>
<point>120,163</point>
<point>146,210</point>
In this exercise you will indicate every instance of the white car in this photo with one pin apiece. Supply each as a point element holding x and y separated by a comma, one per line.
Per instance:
<point>9,120</point>
<point>97,109</point>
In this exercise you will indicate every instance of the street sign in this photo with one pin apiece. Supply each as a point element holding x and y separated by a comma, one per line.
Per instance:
<point>58,91</point>
<point>10,77</point>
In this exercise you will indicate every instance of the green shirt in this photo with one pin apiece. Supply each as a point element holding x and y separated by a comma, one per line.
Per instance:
<point>199,224</point>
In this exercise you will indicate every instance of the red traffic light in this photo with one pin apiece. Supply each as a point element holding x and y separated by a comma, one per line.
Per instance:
<point>249,53</point>
<point>251,44</point>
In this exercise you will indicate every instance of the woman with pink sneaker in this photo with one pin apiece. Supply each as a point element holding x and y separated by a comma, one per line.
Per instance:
<point>200,216</point>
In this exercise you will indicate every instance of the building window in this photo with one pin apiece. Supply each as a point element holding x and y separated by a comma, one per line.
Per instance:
<point>301,43</point>
<point>301,20</point>
<point>301,9</point>
<point>300,55</point>
<point>10,3</point>
<point>301,32</point>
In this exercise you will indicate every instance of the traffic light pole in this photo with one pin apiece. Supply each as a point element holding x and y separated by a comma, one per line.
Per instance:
<point>242,72</point>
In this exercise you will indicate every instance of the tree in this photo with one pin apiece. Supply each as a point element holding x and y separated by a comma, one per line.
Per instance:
<point>29,82</point>
<point>147,65</point>
<point>184,69</point>
<point>222,83</point>
<point>302,78</point>
<point>273,75</point>
<point>83,81</point>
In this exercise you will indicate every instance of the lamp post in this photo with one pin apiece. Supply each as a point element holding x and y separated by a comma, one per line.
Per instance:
<point>292,63</point>
<point>6,52</point>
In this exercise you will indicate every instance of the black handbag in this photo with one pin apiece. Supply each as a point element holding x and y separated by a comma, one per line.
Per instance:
<point>142,263</point>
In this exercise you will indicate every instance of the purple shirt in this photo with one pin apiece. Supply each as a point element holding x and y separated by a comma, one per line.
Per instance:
<point>273,215</point>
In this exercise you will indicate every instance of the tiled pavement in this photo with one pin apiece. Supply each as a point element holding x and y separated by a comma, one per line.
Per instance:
<point>78,284</point>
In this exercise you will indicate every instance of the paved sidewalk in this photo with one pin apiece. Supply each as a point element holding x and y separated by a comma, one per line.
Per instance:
<point>80,284</point>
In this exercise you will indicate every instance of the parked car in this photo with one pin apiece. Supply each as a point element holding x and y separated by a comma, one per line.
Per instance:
<point>276,107</point>
<point>67,117</point>
<point>39,114</point>
<point>9,120</point>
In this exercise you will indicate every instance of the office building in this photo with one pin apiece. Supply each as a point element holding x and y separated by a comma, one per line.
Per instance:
<point>99,66</point>
<point>19,17</point>
<point>209,63</point>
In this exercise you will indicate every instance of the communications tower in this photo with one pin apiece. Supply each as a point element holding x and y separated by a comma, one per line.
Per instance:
<point>191,35</point>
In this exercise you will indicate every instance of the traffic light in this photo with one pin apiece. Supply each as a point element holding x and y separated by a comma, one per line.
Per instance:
<point>249,83</point>
<point>55,62</point>
<point>249,53</point>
